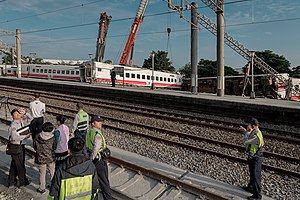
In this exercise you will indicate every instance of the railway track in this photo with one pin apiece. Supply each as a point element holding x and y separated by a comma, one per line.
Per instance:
<point>183,140</point>
<point>126,176</point>
<point>272,133</point>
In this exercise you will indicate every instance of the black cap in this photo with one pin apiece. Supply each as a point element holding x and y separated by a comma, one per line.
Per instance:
<point>252,121</point>
<point>14,110</point>
<point>96,118</point>
<point>76,144</point>
<point>79,105</point>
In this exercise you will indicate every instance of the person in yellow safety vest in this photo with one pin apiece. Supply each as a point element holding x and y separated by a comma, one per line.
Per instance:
<point>81,122</point>
<point>253,139</point>
<point>95,144</point>
<point>76,177</point>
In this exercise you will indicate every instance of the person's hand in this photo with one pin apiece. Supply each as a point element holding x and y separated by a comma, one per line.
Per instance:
<point>28,135</point>
<point>243,129</point>
<point>21,111</point>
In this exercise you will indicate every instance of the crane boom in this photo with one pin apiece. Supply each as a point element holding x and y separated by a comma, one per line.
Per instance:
<point>101,40</point>
<point>133,32</point>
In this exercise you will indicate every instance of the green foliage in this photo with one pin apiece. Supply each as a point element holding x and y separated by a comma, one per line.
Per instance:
<point>206,68</point>
<point>296,72</point>
<point>7,59</point>
<point>108,61</point>
<point>279,63</point>
<point>161,62</point>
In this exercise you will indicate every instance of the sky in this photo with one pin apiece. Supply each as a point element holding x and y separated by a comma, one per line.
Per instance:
<point>257,24</point>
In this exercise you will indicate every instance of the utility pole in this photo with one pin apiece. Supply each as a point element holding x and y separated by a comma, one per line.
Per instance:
<point>18,46</point>
<point>194,47</point>
<point>220,48</point>
<point>252,95</point>
<point>152,77</point>
<point>92,69</point>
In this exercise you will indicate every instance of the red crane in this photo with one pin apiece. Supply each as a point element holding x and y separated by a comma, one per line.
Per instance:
<point>133,32</point>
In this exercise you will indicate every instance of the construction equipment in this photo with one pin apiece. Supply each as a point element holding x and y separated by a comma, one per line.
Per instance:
<point>101,40</point>
<point>128,49</point>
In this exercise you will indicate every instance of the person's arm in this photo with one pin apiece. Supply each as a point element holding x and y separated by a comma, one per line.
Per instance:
<point>97,146</point>
<point>55,186</point>
<point>252,140</point>
<point>76,120</point>
<point>16,137</point>
<point>56,135</point>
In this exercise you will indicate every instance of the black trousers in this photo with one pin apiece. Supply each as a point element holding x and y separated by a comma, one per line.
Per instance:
<point>18,169</point>
<point>36,126</point>
<point>102,171</point>
<point>255,163</point>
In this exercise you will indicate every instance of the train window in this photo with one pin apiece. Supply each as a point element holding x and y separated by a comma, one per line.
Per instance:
<point>148,77</point>
<point>72,72</point>
<point>9,71</point>
<point>99,69</point>
<point>143,77</point>
<point>172,80</point>
<point>156,78</point>
<point>160,79</point>
<point>121,75</point>
<point>33,70</point>
<point>67,72</point>
<point>42,71</point>
<point>127,75</point>
<point>77,72</point>
<point>168,79</point>
<point>165,79</point>
<point>175,80</point>
<point>50,71</point>
<point>138,76</point>
<point>132,75</point>
<point>63,71</point>
<point>37,70</point>
<point>45,70</point>
<point>54,71</point>
<point>58,71</point>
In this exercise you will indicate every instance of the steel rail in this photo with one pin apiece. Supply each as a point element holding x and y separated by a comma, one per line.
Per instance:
<point>193,120</point>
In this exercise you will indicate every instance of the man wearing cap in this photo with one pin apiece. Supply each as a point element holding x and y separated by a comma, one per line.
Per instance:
<point>18,132</point>
<point>76,177</point>
<point>254,142</point>
<point>37,110</point>
<point>81,122</point>
<point>95,143</point>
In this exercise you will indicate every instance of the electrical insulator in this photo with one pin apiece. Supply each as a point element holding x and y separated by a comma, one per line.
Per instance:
<point>168,31</point>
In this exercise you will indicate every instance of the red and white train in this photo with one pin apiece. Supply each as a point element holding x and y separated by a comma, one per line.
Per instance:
<point>101,72</point>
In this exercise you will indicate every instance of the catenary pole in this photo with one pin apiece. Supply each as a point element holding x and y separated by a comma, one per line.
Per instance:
<point>18,46</point>
<point>220,48</point>
<point>194,47</point>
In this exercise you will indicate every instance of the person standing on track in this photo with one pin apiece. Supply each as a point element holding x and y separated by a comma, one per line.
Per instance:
<point>37,110</point>
<point>253,139</point>
<point>16,136</point>
<point>81,122</point>
<point>95,143</point>
<point>113,78</point>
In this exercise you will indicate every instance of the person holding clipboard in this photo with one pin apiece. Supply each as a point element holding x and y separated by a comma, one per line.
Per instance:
<point>18,132</point>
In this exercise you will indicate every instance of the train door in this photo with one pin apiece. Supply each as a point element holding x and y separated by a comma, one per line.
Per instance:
<point>83,73</point>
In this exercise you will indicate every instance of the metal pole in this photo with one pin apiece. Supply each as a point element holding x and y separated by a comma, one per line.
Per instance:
<point>152,77</point>
<point>252,95</point>
<point>220,49</point>
<point>18,46</point>
<point>92,69</point>
<point>194,47</point>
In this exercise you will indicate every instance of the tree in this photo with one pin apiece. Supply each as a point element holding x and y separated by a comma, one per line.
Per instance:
<point>161,62</point>
<point>206,68</point>
<point>108,61</point>
<point>296,72</point>
<point>7,59</point>
<point>279,63</point>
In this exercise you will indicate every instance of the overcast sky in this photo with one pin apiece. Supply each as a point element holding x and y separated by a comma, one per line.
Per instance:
<point>257,24</point>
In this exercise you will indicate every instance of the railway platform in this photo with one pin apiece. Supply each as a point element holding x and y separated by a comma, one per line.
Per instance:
<point>267,110</point>
<point>134,186</point>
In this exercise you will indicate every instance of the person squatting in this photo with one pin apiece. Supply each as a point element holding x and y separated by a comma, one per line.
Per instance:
<point>77,165</point>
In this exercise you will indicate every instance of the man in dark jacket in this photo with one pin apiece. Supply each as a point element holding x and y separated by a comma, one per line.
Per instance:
<point>45,156</point>
<point>76,177</point>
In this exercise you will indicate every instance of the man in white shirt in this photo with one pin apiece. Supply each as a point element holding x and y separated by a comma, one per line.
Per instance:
<point>37,110</point>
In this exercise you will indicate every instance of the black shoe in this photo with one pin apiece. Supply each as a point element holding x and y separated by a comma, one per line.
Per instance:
<point>248,189</point>
<point>41,191</point>
<point>253,198</point>
<point>27,182</point>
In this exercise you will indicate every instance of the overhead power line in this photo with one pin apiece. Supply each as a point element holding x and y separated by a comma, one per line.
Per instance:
<point>48,12</point>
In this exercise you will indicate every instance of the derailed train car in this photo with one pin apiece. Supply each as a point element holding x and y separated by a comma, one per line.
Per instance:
<point>264,86</point>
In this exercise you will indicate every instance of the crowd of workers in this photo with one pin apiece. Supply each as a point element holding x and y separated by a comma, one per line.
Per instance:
<point>76,160</point>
